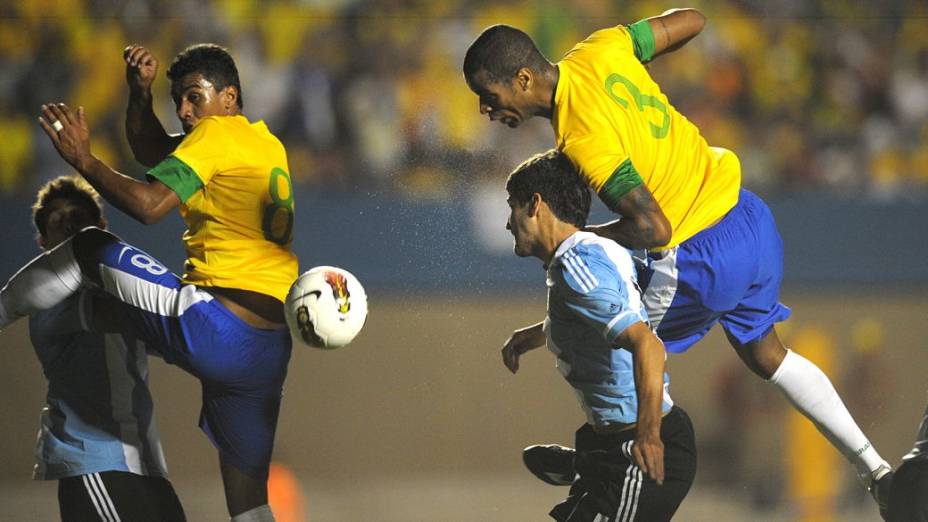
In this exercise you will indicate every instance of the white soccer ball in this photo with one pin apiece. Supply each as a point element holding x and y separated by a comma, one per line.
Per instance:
<point>326,307</point>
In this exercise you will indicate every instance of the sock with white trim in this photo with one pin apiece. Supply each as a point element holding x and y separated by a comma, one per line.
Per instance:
<point>44,282</point>
<point>258,514</point>
<point>808,389</point>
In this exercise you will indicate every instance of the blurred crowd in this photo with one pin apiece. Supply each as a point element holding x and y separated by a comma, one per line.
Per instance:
<point>367,95</point>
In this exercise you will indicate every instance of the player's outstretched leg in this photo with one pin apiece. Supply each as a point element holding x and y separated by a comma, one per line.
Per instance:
<point>47,280</point>
<point>810,391</point>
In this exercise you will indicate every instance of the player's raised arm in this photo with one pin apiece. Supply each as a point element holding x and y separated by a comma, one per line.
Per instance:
<point>673,28</point>
<point>648,354</point>
<point>70,134</point>
<point>149,141</point>
<point>643,223</point>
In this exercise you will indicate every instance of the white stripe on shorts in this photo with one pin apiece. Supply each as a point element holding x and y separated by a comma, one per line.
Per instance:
<point>631,488</point>
<point>100,497</point>
<point>663,286</point>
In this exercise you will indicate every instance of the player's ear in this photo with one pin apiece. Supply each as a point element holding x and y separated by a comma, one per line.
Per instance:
<point>535,204</point>
<point>229,97</point>
<point>524,78</point>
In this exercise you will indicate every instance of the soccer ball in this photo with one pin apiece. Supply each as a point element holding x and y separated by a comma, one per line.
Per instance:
<point>326,307</point>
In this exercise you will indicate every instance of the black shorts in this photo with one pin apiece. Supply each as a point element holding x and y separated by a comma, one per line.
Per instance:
<point>611,488</point>
<point>908,496</point>
<point>109,496</point>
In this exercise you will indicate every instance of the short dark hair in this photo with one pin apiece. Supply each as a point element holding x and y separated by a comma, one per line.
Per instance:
<point>500,51</point>
<point>212,61</point>
<point>72,188</point>
<point>554,177</point>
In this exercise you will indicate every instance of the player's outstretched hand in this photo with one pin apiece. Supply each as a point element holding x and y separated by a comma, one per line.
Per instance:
<point>521,341</point>
<point>648,454</point>
<point>68,132</point>
<point>141,67</point>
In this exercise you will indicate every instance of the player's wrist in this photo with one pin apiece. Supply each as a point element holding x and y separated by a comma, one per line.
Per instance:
<point>140,94</point>
<point>86,163</point>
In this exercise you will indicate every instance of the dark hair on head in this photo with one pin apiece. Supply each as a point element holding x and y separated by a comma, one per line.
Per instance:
<point>500,51</point>
<point>72,188</point>
<point>554,177</point>
<point>212,61</point>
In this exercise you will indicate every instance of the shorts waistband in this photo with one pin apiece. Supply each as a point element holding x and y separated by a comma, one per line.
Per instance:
<point>618,427</point>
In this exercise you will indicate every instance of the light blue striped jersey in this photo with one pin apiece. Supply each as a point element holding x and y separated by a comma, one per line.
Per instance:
<point>592,298</point>
<point>99,412</point>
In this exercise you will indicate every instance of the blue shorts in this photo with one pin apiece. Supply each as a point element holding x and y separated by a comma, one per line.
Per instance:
<point>241,368</point>
<point>728,273</point>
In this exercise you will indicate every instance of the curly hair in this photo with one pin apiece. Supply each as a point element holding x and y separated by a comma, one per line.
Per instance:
<point>73,188</point>
<point>212,61</point>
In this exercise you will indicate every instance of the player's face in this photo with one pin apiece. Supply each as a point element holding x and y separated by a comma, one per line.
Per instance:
<point>196,98</point>
<point>519,225</point>
<point>65,218</point>
<point>500,101</point>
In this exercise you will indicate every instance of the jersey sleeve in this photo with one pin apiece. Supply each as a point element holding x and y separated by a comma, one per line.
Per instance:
<point>605,165</point>
<point>198,157</point>
<point>597,293</point>
<point>642,38</point>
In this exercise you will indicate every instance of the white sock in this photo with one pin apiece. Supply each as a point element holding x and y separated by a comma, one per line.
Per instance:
<point>46,281</point>
<point>258,514</point>
<point>808,389</point>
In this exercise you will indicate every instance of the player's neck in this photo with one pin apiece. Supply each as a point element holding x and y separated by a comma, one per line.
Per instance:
<point>547,88</point>
<point>556,236</point>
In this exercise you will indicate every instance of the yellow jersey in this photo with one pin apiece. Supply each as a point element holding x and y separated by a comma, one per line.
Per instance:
<point>617,127</point>
<point>234,184</point>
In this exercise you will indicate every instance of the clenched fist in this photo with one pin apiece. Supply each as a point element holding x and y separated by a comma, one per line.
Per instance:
<point>141,67</point>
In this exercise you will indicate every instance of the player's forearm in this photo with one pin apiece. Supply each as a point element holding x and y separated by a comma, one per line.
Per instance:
<point>535,335</point>
<point>674,28</point>
<point>129,195</point>
<point>149,142</point>
<point>637,232</point>
<point>649,383</point>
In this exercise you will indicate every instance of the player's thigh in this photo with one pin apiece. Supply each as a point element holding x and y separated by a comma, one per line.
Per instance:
<point>242,424</point>
<point>629,494</point>
<point>114,495</point>
<point>692,286</point>
<point>908,497</point>
<point>145,299</point>
<point>759,307</point>
<point>658,503</point>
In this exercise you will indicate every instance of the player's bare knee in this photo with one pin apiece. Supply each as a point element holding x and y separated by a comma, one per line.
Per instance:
<point>768,353</point>
<point>88,245</point>
<point>763,355</point>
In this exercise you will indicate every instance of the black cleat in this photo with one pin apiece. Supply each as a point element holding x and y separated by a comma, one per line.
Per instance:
<point>880,490</point>
<point>551,463</point>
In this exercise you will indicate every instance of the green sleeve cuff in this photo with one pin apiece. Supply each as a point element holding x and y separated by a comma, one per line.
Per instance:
<point>623,180</point>
<point>642,39</point>
<point>178,176</point>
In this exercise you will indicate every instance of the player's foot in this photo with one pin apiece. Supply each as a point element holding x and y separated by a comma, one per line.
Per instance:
<point>551,463</point>
<point>879,486</point>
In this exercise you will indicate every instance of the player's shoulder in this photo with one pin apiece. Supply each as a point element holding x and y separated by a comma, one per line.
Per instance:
<point>588,261</point>
<point>601,40</point>
<point>210,129</point>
